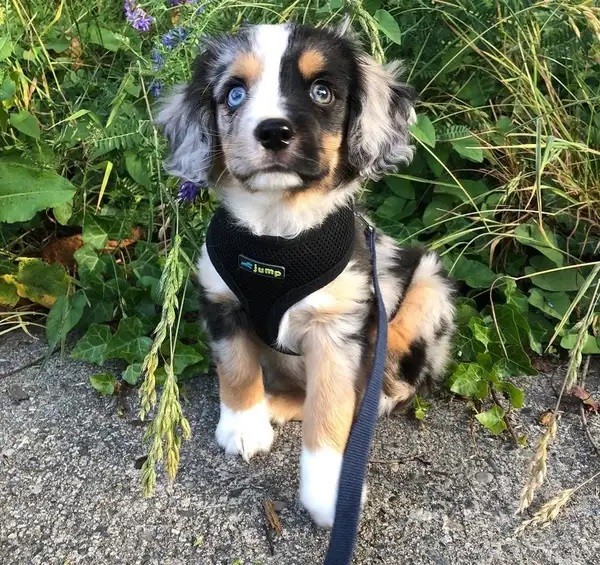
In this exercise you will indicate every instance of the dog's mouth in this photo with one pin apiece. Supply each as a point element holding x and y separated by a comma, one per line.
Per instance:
<point>277,177</point>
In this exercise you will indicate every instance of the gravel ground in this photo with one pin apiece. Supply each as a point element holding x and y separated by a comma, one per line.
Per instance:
<point>441,492</point>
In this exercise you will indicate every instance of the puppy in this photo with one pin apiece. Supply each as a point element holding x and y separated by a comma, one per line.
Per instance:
<point>285,122</point>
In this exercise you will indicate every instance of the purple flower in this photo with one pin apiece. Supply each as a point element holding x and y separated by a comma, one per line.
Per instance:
<point>174,37</point>
<point>180,2</point>
<point>137,18</point>
<point>158,60</point>
<point>188,191</point>
<point>155,88</point>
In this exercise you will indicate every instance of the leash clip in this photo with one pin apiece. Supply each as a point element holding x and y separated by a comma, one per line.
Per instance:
<point>369,227</point>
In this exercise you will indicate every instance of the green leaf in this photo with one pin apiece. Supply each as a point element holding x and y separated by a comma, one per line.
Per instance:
<point>104,383</point>
<point>6,47</point>
<point>388,25</point>
<point>88,260</point>
<point>475,273</point>
<point>63,212</point>
<point>132,374</point>
<point>105,38</point>
<point>437,209</point>
<point>469,148</point>
<point>39,282</point>
<point>129,342</point>
<point>137,169</point>
<point>26,123</point>
<point>7,89</point>
<point>401,187</point>
<point>564,279</point>
<point>185,355</point>
<point>94,232</point>
<point>554,304</point>
<point>423,130</point>
<point>93,344</point>
<point>64,316</point>
<point>591,345</point>
<point>541,239</point>
<point>421,407</point>
<point>25,191</point>
<point>492,419</point>
<point>512,326</point>
<point>515,395</point>
<point>8,293</point>
<point>469,379</point>
<point>481,332</point>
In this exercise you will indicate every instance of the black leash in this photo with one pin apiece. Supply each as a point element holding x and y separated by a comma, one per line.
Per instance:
<point>358,448</point>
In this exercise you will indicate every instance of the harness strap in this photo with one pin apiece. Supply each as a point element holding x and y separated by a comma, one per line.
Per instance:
<point>358,448</point>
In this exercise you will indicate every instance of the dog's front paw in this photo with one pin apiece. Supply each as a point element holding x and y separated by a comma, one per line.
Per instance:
<point>245,432</point>
<point>319,478</point>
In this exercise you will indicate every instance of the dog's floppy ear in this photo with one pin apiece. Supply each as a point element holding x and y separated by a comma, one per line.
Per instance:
<point>187,118</point>
<point>380,115</point>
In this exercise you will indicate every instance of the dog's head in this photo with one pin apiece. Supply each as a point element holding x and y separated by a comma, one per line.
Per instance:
<point>287,108</point>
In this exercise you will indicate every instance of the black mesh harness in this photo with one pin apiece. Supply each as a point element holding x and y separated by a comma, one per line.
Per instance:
<point>270,274</point>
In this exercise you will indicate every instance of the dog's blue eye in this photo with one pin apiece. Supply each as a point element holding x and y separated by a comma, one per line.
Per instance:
<point>320,93</point>
<point>236,96</point>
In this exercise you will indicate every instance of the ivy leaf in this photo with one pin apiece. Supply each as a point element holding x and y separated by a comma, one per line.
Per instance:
<point>132,374</point>
<point>184,356</point>
<point>92,345</point>
<point>475,273</point>
<point>64,316</point>
<point>481,332</point>
<point>388,25</point>
<point>104,383</point>
<point>25,191</point>
<point>469,148</point>
<point>8,293</point>
<point>492,419</point>
<point>469,380</point>
<point>423,130</point>
<point>94,233</point>
<point>515,395</point>
<point>541,239</point>
<point>129,342</point>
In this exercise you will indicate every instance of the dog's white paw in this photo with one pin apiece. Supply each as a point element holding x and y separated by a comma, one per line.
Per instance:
<point>245,432</point>
<point>319,478</point>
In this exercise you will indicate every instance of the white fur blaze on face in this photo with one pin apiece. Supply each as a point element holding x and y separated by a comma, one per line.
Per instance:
<point>245,432</point>
<point>274,181</point>
<point>319,479</point>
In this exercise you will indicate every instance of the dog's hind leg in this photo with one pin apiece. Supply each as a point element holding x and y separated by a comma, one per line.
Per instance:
<point>285,407</point>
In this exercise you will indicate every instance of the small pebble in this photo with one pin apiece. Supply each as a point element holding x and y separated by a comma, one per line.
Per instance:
<point>484,477</point>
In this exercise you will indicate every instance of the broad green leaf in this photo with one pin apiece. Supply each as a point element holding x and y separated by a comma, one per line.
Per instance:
<point>554,304</point>
<point>475,273</point>
<point>8,293</point>
<point>129,342</point>
<point>104,383</point>
<point>423,130</point>
<point>137,169</point>
<point>391,208</point>
<point>469,380</point>
<point>63,212</point>
<point>132,374</point>
<point>564,279</point>
<point>93,344</point>
<point>26,123</point>
<point>541,239</point>
<point>64,316</point>
<point>437,209</point>
<point>481,332</point>
<point>88,260</point>
<point>469,148</point>
<point>39,282</point>
<point>400,187</point>
<point>7,89</point>
<point>492,419</point>
<point>591,345</point>
<point>388,25</point>
<point>105,38</point>
<point>512,326</point>
<point>185,355</point>
<point>6,47</point>
<point>515,395</point>
<point>25,191</point>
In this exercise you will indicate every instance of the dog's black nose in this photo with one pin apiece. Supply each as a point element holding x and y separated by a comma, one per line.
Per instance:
<point>274,134</point>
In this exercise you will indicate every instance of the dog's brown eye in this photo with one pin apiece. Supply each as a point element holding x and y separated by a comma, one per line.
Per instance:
<point>320,93</point>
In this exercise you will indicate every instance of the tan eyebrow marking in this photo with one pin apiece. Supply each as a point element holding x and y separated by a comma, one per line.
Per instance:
<point>311,63</point>
<point>247,67</point>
